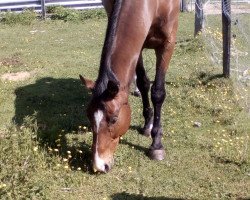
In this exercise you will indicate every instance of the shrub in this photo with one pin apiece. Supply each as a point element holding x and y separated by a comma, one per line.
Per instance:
<point>65,14</point>
<point>93,14</point>
<point>26,17</point>
<point>51,9</point>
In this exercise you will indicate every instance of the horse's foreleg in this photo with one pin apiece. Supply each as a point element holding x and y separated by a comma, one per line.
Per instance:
<point>143,85</point>
<point>158,95</point>
<point>136,92</point>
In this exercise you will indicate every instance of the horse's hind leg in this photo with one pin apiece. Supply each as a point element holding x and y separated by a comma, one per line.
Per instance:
<point>143,85</point>
<point>158,95</point>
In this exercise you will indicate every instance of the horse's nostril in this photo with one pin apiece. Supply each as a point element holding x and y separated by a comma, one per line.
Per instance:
<point>106,168</point>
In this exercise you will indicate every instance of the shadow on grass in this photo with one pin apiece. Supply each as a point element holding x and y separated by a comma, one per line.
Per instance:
<point>127,196</point>
<point>137,147</point>
<point>58,107</point>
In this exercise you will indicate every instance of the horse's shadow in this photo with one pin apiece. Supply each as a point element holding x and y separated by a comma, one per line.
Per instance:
<point>128,196</point>
<point>58,107</point>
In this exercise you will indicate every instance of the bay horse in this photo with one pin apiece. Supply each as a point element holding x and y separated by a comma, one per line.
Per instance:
<point>132,26</point>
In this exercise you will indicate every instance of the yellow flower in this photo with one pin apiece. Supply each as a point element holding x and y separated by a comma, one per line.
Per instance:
<point>66,167</point>
<point>35,148</point>
<point>3,185</point>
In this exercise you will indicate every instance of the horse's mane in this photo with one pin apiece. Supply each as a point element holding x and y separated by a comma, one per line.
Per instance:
<point>105,71</point>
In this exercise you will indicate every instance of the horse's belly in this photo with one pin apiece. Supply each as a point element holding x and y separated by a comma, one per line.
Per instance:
<point>155,39</point>
<point>153,43</point>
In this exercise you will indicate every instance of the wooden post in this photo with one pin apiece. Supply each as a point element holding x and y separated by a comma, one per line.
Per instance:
<point>226,32</point>
<point>199,18</point>
<point>43,7</point>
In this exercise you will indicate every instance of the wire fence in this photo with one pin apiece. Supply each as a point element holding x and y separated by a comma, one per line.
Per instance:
<point>189,5</point>
<point>239,47</point>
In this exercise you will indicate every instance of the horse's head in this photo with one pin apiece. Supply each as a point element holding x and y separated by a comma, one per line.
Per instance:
<point>109,115</point>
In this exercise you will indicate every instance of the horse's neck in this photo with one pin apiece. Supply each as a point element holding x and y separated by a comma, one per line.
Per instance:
<point>127,40</point>
<point>108,4</point>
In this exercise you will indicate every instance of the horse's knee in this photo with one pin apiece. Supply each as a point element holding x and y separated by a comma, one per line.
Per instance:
<point>158,94</point>
<point>142,81</point>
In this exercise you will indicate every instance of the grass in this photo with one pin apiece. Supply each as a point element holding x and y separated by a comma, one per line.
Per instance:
<point>45,140</point>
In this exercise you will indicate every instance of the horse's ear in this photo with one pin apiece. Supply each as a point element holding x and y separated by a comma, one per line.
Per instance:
<point>112,88</point>
<point>88,83</point>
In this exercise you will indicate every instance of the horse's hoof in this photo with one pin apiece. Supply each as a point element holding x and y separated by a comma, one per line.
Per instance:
<point>157,154</point>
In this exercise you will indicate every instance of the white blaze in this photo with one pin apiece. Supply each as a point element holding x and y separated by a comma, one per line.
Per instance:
<point>98,115</point>
<point>98,162</point>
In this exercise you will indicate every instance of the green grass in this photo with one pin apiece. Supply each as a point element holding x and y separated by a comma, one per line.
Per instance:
<point>43,117</point>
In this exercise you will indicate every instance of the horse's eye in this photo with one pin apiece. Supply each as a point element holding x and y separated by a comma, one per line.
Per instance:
<point>113,120</point>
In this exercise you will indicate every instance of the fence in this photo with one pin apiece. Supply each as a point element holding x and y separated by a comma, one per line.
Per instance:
<point>39,5</point>
<point>189,5</point>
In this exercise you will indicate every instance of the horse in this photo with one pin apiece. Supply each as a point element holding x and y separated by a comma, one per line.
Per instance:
<point>132,26</point>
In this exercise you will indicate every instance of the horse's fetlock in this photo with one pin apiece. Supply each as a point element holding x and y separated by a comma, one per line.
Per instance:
<point>156,132</point>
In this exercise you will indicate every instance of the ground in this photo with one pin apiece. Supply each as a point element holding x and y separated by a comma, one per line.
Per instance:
<point>45,137</point>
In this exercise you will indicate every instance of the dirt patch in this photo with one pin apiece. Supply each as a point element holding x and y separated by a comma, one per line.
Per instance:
<point>13,61</point>
<point>2,135</point>
<point>19,76</point>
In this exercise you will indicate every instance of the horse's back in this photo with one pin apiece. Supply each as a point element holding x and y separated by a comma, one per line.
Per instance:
<point>164,6</point>
<point>157,18</point>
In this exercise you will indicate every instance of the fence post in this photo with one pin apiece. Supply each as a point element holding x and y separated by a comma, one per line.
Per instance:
<point>226,32</point>
<point>43,9</point>
<point>199,18</point>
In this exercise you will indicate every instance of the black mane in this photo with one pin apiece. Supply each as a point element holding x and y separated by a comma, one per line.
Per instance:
<point>105,72</point>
